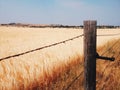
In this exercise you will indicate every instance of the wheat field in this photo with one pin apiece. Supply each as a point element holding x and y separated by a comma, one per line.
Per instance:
<point>46,69</point>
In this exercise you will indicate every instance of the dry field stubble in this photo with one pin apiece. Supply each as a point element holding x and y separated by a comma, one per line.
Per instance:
<point>53,68</point>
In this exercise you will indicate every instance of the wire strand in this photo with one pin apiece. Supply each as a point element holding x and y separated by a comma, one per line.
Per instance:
<point>54,44</point>
<point>110,47</point>
<point>109,34</point>
<point>74,81</point>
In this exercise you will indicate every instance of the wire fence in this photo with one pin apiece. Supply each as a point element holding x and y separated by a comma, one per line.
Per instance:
<point>54,44</point>
<point>103,53</point>
<point>64,41</point>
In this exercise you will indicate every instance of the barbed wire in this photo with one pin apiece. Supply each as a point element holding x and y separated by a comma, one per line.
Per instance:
<point>54,44</point>
<point>74,80</point>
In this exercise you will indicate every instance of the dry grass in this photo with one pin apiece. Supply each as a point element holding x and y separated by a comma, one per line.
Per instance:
<point>52,68</point>
<point>108,76</point>
<point>37,69</point>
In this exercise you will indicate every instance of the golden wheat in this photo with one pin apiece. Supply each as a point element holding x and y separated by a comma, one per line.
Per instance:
<point>37,70</point>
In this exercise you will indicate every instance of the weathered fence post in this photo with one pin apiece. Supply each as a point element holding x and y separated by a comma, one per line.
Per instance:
<point>90,55</point>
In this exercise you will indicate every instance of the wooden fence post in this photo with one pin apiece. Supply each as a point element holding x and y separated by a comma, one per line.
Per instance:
<point>90,55</point>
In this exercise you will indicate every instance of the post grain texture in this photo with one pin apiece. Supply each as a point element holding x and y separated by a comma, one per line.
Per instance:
<point>90,55</point>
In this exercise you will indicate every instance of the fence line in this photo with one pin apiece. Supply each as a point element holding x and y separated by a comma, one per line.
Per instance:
<point>74,80</point>
<point>102,72</point>
<point>109,34</point>
<point>102,54</point>
<point>54,44</point>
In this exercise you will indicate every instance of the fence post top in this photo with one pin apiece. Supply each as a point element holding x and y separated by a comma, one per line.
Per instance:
<point>88,22</point>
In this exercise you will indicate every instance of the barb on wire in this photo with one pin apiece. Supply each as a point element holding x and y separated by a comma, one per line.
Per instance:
<point>54,44</point>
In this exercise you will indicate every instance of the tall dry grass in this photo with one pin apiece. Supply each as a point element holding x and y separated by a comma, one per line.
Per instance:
<point>108,73</point>
<point>38,69</point>
<point>52,68</point>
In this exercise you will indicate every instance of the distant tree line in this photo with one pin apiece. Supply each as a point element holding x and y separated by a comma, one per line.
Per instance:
<point>107,26</point>
<point>55,26</point>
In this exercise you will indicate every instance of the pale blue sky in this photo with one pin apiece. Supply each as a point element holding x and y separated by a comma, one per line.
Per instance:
<point>66,12</point>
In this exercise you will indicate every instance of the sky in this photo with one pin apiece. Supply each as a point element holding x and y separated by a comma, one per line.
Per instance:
<point>65,12</point>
